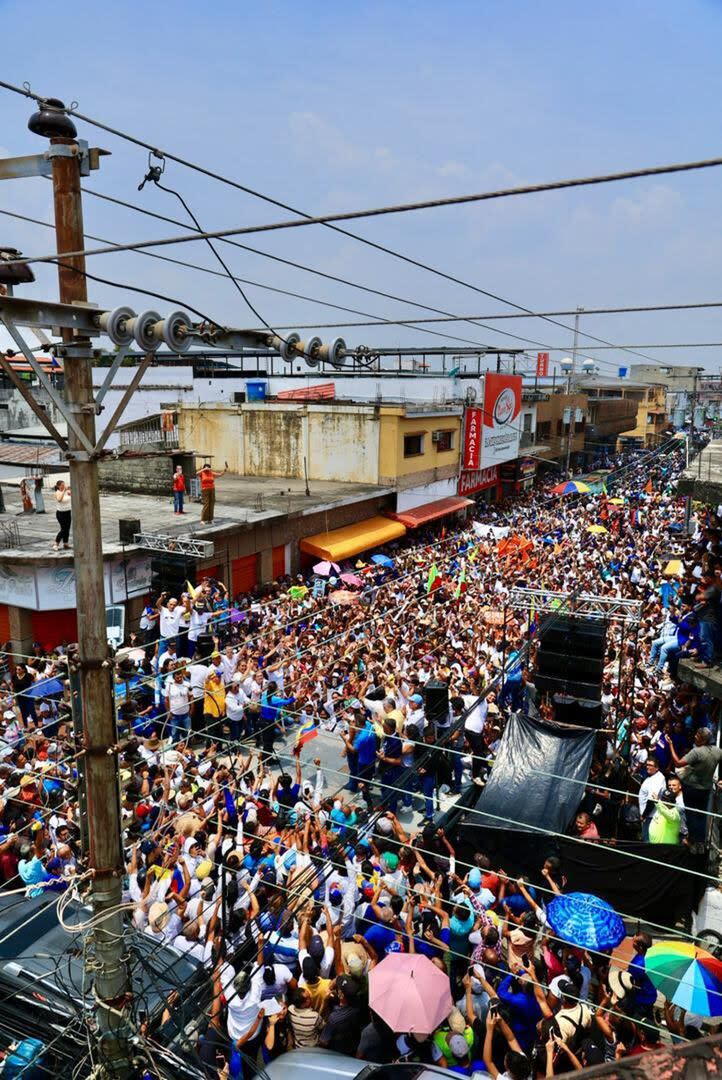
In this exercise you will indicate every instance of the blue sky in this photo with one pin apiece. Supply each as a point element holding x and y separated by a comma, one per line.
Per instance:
<point>332,107</point>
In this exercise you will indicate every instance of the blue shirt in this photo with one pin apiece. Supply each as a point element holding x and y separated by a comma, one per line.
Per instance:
<point>365,745</point>
<point>644,989</point>
<point>391,749</point>
<point>524,1012</point>
<point>379,937</point>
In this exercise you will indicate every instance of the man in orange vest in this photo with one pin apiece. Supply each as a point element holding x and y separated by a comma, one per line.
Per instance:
<point>208,492</point>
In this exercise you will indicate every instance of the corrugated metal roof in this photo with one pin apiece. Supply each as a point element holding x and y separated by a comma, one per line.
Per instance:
<point>320,392</point>
<point>25,454</point>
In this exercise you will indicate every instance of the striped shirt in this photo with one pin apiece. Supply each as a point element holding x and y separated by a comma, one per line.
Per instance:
<point>306,1025</point>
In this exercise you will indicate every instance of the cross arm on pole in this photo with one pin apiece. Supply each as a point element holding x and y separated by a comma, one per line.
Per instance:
<point>108,380</point>
<point>29,400</point>
<point>120,409</point>
<point>57,400</point>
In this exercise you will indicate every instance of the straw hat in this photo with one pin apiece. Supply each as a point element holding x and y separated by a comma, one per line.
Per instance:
<point>158,916</point>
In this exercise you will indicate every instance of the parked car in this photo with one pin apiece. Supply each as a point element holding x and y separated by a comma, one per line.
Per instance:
<point>313,1062</point>
<point>43,991</point>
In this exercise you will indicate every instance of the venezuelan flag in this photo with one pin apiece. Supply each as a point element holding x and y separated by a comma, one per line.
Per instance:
<point>307,731</point>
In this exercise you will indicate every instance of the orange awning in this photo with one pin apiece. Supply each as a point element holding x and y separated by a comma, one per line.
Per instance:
<point>431,511</point>
<point>352,539</point>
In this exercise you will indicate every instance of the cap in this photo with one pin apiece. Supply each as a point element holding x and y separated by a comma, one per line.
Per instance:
<point>474,878</point>
<point>458,1046</point>
<point>456,1022</point>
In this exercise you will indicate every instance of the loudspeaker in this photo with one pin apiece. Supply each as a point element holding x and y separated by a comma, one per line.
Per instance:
<point>581,712</point>
<point>205,646</point>
<point>567,667</point>
<point>169,574</point>
<point>127,528</point>
<point>436,702</point>
<point>570,635</point>
<point>571,658</point>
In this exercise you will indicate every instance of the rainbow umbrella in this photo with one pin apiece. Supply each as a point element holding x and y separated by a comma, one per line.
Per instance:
<point>571,487</point>
<point>689,977</point>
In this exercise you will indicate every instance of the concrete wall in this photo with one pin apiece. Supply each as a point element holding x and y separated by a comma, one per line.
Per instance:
<point>272,439</point>
<point>149,475</point>
<point>425,468</point>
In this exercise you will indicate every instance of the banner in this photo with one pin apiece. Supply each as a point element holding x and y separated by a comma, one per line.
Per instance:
<point>473,422</point>
<point>502,406</point>
<point>542,364</point>
<point>478,480</point>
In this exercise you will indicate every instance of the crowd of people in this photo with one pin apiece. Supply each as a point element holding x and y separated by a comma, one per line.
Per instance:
<point>281,778</point>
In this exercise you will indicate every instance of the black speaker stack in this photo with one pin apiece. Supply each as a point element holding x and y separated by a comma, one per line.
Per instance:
<point>170,574</point>
<point>570,667</point>
<point>436,702</point>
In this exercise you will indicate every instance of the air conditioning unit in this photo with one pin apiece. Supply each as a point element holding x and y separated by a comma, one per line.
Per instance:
<point>435,436</point>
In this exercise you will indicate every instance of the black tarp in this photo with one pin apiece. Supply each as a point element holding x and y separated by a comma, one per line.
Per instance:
<point>538,776</point>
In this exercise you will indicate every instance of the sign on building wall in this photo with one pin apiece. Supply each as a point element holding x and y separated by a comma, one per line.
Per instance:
<point>471,482</point>
<point>473,424</point>
<point>542,364</point>
<point>501,427</point>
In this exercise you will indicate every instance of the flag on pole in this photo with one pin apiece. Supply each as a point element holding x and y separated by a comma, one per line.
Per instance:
<point>461,583</point>
<point>433,575</point>
<point>230,806</point>
<point>306,732</point>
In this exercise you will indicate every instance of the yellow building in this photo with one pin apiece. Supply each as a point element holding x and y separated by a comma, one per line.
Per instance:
<point>651,402</point>
<point>418,447</point>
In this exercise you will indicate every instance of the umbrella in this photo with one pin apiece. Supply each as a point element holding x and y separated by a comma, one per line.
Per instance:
<point>616,502</point>
<point>689,977</point>
<point>352,579</point>
<point>323,569</point>
<point>571,487</point>
<point>343,596</point>
<point>596,529</point>
<point>674,568</point>
<point>585,921</point>
<point>297,592</point>
<point>382,560</point>
<point>410,993</point>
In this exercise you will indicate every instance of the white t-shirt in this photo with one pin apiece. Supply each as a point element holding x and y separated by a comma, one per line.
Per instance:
<point>242,1012</point>
<point>170,621</point>
<point>179,697</point>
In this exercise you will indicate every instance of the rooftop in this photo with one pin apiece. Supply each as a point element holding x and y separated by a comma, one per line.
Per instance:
<point>240,500</point>
<point>703,477</point>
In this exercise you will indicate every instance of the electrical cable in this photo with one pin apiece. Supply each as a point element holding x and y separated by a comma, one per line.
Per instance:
<point>402,208</point>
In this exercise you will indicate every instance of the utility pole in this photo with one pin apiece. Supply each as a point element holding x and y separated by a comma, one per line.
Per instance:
<point>99,731</point>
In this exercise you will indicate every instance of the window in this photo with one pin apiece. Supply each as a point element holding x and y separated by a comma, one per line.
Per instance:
<point>543,430</point>
<point>444,440</point>
<point>526,422</point>
<point>413,445</point>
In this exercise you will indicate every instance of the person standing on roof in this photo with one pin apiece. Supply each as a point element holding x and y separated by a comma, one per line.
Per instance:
<point>208,479</point>
<point>179,490</point>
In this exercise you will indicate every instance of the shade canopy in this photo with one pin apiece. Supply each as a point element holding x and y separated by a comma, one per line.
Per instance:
<point>571,487</point>
<point>342,543</point>
<point>420,515</point>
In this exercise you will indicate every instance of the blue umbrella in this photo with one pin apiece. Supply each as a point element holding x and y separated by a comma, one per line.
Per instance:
<point>586,921</point>
<point>382,560</point>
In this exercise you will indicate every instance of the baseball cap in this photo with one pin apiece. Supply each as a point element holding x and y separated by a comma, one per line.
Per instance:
<point>458,1046</point>
<point>474,878</point>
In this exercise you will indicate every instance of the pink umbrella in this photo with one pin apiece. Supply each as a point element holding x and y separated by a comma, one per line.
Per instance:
<point>410,993</point>
<point>352,579</point>
<point>323,569</point>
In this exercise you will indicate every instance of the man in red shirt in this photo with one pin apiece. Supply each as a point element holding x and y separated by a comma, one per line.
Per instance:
<point>208,492</point>
<point>179,487</point>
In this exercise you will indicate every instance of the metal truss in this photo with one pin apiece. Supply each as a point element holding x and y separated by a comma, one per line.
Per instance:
<point>175,545</point>
<point>582,605</point>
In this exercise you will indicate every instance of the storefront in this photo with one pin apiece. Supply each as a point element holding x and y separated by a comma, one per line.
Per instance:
<point>518,476</point>
<point>481,484</point>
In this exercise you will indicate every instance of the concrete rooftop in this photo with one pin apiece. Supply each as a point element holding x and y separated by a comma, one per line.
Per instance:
<point>703,479</point>
<point>239,500</point>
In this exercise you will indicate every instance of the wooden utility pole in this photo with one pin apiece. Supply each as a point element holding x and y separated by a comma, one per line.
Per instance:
<point>104,856</point>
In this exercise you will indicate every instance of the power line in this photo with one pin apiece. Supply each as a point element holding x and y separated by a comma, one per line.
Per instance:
<point>329,220</point>
<point>532,314</point>
<point>443,316</point>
